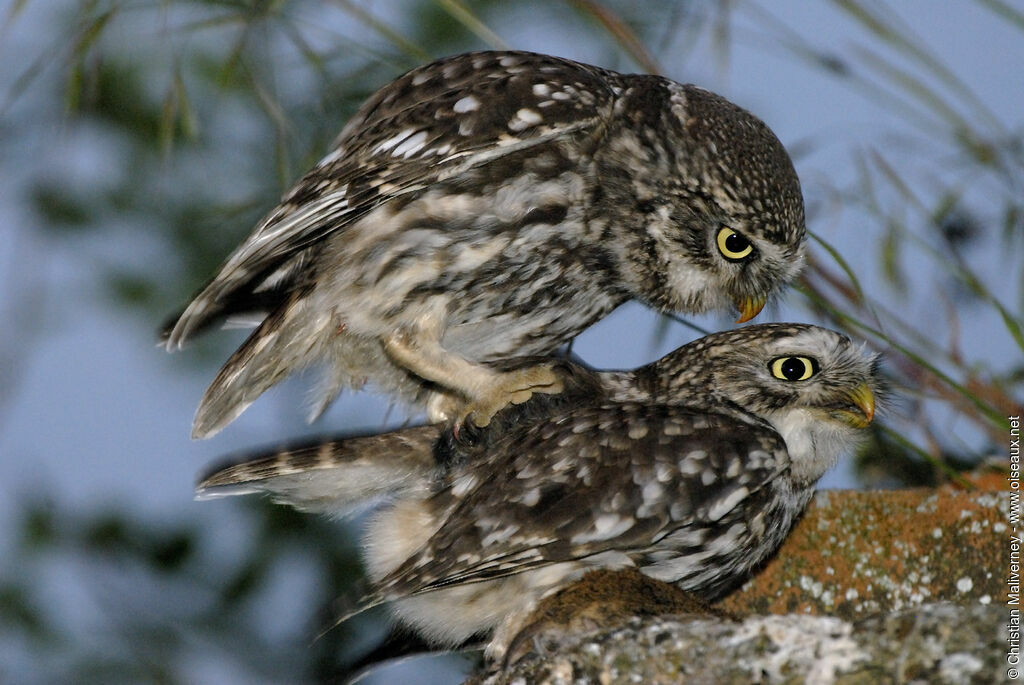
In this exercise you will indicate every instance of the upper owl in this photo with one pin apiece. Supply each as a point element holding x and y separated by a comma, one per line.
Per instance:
<point>492,205</point>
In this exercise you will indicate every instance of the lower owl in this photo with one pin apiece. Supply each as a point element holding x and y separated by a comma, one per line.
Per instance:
<point>691,470</point>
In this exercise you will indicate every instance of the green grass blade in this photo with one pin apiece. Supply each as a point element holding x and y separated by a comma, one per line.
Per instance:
<point>940,465</point>
<point>464,16</point>
<point>843,264</point>
<point>1006,11</point>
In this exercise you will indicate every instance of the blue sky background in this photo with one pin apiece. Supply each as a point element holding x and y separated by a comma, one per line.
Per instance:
<point>93,413</point>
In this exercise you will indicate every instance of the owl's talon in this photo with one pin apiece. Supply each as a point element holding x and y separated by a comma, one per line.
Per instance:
<point>513,387</point>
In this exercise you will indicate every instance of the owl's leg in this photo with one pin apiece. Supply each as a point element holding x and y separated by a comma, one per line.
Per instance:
<point>487,390</point>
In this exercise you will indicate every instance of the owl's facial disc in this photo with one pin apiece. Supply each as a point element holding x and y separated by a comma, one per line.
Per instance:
<point>747,266</point>
<point>773,369</point>
<point>704,258</point>
<point>841,393</point>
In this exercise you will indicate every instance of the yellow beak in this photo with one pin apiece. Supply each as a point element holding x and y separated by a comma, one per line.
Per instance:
<point>863,399</point>
<point>750,307</point>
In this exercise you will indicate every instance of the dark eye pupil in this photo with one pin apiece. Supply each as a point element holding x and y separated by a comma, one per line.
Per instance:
<point>793,369</point>
<point>734,242</point>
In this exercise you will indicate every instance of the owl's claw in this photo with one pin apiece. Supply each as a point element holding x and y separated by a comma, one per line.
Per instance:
<point>513,387</point>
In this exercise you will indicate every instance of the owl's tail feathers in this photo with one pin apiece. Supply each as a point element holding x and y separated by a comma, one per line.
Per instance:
<point>340,477</point>
<point>247,287</point>
<point>283,343</point>
<point>223,299</point>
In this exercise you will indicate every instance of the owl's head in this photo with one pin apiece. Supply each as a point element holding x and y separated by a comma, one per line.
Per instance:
<point>723,215</point>
<point>814,386</point>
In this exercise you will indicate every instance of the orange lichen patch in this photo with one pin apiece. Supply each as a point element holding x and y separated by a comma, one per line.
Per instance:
<point>859,553</point>
<point>993,480</point>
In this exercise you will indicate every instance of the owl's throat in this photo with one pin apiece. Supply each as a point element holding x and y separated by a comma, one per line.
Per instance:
<point>813,439</point>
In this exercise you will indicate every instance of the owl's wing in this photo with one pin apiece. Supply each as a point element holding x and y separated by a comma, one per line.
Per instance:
<point>431,124</point>
<point>612,477</point>
<point>333,477</point>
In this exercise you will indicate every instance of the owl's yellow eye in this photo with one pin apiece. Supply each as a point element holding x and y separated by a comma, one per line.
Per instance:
<point>732,245</point>
<point>793,368</point>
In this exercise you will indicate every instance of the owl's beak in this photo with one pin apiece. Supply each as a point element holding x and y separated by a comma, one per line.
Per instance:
<point>864,400</point>
<point>750,307</point>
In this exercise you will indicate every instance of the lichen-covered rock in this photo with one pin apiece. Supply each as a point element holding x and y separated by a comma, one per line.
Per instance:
<point>900,586</point>
<point>932,643</point>
<point>855,554</point>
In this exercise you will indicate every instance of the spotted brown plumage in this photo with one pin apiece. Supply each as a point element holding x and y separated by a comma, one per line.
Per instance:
<point>691,469</point>
<point>493,205</point>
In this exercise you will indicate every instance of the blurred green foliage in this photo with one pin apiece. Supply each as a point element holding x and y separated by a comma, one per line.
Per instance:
<point>161,590</point>
<point>205,111</point>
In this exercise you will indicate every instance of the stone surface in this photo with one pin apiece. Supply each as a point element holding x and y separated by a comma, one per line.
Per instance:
<point>856,553</point>
<point>932,643</point>
<point>871,587</point>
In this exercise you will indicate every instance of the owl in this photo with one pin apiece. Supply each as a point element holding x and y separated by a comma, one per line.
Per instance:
<point>691,470</point>
<point>493,205</point>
